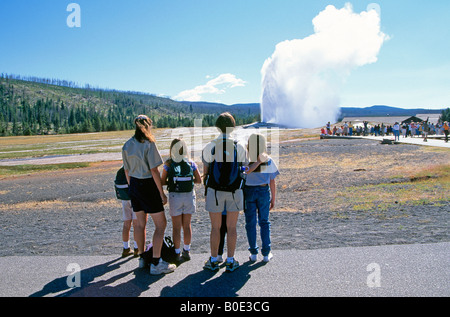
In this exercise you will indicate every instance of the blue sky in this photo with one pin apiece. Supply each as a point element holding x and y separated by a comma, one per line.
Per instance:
<point>216,48</point>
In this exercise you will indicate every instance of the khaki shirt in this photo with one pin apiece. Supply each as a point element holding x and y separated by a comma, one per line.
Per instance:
<point>139,158</point>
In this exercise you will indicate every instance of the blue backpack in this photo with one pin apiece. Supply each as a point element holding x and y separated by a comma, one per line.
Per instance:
<point>225,171</point>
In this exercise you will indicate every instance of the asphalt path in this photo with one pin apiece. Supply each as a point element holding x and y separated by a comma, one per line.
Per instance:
<point>415,270</point>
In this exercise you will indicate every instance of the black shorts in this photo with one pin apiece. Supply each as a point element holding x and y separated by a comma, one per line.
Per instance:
<point>145,196</point>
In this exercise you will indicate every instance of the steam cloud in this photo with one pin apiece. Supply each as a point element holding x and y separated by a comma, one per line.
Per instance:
<point>301,81</point>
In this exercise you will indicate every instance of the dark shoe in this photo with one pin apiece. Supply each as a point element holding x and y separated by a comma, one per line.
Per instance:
<point>231,266</point>
<point>185,255</point>
<point>126,252</point>
<point>213,266</point>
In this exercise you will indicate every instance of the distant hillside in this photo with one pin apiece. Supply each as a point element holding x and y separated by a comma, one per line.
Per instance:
<point>46,106</point>
<point>250,109</point>
<point>382,111</point>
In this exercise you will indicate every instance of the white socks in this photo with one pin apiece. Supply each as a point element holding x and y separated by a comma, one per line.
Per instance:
<point>126,245</point>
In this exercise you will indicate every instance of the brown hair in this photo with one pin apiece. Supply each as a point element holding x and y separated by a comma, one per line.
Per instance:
<point>143,126</point>
<point>224,121</point>
<point>182,151</point>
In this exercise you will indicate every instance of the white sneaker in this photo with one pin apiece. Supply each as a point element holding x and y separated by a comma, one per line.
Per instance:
<point>162,268</point>
<point>267,258</point>
<point>253,257</point>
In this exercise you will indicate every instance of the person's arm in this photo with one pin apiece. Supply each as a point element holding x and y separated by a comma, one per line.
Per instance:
<point>262,158</point>
<point>273,192</point>
<point>164,176</point>
<point>157,179</point>
<point>127,176</point>
<point>205,170</point>
<point>197,177</point>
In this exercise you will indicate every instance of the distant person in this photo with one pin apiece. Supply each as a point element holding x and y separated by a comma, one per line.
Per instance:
<point>141,160</point>
<point>446,130</point>
<point>396,131</point>
<point>413,129</point>
<point>425,130</point>
<point>128,216</point>
<point>180,174</point>
<point>404,130</point>
<point>259,195</point>
<point>223,159</point>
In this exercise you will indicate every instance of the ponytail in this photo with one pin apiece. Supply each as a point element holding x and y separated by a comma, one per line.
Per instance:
<point>143,126</point>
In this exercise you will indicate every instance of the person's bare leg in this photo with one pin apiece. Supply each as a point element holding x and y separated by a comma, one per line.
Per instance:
<point>232,218</point>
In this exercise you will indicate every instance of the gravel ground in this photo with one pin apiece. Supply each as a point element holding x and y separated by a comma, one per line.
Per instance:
<point>75,212</point>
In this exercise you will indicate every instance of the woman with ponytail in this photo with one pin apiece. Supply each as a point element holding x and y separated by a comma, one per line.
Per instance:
<point>141,160</point>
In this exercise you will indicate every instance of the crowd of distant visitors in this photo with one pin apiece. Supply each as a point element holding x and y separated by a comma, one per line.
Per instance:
<point>412,129</point>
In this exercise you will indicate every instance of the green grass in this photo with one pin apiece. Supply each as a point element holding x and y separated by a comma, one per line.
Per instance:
<point>28,169</point>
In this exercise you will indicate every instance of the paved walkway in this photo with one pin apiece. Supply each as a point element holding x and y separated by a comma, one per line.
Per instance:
<point>431,141</point>
<point>396,270</point>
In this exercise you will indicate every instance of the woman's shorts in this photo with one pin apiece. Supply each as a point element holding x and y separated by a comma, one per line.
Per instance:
<point>181,203</point>
<point>145,196</point>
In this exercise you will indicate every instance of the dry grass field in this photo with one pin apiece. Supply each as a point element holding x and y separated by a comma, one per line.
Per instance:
<point>331,193</point>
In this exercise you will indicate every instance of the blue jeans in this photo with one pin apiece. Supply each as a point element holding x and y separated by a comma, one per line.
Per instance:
<point>256,209</point>
<point>396,135</point>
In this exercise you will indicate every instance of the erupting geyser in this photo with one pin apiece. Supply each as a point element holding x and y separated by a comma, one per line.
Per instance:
<point>301,81</point>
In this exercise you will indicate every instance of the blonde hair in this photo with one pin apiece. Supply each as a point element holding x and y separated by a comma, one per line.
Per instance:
<point>143,129</point>
<point>257,145</point>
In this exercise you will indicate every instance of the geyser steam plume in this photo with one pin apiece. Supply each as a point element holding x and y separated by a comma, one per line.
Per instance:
<point>301,81</point>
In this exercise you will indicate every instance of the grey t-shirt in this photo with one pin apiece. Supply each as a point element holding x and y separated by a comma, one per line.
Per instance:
<point>139,158</point>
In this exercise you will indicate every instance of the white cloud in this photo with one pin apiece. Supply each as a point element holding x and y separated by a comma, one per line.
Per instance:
<point>215,86</point>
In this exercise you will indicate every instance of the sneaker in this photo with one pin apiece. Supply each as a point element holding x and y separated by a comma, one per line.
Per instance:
<point>142,262</point>
<point>268,257</point>
<point>162,268</point>
<point>136,252</point>
<point>231,266</point>
<point>253,257</point>
<point>177,258</point>
<point>185,255</point>
<point>213,266</point>
<point>126,252</point>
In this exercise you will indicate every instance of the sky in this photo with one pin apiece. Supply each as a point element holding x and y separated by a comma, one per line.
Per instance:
<point>207,50</point>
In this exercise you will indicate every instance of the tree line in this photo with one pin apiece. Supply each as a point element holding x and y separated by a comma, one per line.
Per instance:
<point>98,110</point>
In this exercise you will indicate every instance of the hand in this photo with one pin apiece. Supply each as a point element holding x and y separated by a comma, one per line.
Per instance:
<point>272,204</point>
<point>262,158</point>
<point>164,198</point>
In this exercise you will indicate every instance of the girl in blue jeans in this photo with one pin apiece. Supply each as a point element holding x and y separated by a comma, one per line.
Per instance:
<point>259,196</point>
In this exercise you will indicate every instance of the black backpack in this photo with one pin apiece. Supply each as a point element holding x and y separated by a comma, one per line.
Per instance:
<point>121,185</point>
<point>181,177</point>
<point>225,171</point>
<point>168,253</point>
